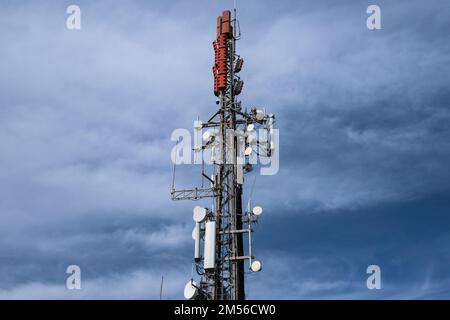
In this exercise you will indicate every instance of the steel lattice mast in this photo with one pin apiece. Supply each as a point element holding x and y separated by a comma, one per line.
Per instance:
<point>230,138</point>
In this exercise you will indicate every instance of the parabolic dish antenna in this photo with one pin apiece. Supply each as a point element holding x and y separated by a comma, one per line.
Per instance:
<point>207,135</point>
<point>256,266</point>
<point>257,210</point>
<point>190,291</point>
<point>199,214</point>
<point>259,115</point>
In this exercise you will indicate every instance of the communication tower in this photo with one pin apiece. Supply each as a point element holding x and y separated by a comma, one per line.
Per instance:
<point>228,141</point>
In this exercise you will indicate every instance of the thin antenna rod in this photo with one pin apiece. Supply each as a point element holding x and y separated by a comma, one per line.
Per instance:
<point>249,202</point>
<point>161,288</point>
<point>174,166</point>
<point>235,19</point>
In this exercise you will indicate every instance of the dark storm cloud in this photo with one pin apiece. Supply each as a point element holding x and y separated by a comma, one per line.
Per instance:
<point>326,255</point>
<point>362,114</point>
<point>85,121</point>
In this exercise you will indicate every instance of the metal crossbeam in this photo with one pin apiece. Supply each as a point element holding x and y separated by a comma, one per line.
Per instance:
<point>193,194</point>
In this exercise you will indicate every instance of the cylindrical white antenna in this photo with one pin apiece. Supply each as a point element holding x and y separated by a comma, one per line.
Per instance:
<point>271,131</point>
<point>196,236</point>
<point>210,245</point>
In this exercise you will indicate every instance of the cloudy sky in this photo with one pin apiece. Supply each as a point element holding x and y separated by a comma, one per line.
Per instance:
<point>85,124</point>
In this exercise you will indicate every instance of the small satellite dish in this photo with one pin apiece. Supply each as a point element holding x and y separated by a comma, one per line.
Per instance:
<point>190,290</point>
<point>199,214</point>
<point>257,210</point>
<point>259,115</point>
<point>248,151</point>
<point>207,135</point>
<point>256,266</point>
<point>251,127</point>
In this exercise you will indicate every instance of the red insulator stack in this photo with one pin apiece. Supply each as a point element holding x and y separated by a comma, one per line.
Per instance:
<point>220,45</point>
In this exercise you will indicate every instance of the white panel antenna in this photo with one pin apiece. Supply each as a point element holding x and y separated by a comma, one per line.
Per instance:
<point>210,245</point>
<point>196,234</point>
